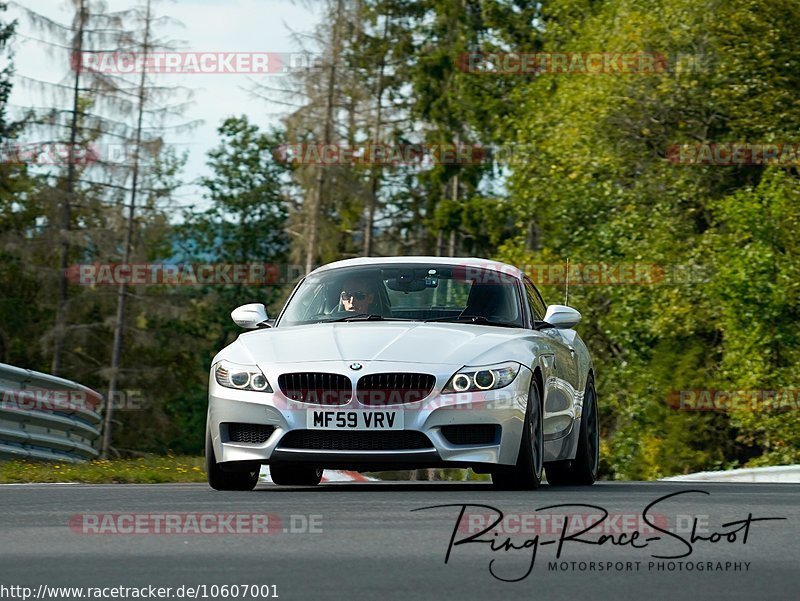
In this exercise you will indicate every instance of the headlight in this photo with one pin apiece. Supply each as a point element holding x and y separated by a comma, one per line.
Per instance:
<point>241,377</point>
<point>476,379</point>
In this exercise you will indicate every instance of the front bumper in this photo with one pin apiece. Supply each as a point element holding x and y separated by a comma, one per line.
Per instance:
<point>504,408</point>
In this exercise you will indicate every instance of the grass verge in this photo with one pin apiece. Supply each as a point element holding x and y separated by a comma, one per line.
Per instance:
<point>159,470</point>
<point>144,470</point>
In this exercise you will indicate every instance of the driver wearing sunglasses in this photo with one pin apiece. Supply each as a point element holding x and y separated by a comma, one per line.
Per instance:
<point>356,296</point>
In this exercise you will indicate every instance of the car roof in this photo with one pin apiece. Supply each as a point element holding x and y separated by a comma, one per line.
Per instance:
<point>474,262</point>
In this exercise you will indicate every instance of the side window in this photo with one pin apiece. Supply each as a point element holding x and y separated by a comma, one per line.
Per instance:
<point>538,308</point>
<point>316,303</point>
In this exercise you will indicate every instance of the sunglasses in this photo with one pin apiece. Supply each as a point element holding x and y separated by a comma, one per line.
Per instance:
<point>358,295</point>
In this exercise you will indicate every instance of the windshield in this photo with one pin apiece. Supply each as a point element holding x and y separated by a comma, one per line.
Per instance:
<point>416,292</point>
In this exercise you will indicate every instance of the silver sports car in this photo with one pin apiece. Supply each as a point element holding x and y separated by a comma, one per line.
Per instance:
<point>403,363</point>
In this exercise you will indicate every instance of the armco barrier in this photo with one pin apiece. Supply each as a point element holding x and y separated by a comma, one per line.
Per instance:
<point>775,473</point>
<point>44,417</point>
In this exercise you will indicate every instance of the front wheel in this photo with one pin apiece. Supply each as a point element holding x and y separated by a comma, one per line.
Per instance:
<point>527,473</point>
<point>219,479</point>
<point>581,471</point>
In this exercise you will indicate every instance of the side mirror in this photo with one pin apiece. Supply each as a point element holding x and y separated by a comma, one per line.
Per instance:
<point>250,316</point>
<point>562,317</point>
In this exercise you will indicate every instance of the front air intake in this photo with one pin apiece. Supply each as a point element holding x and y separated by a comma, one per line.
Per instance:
<point>334,440</point>
<point>476,434</point>
<point>249,433</point>
<point>394,388</point>
<point>316,388</point>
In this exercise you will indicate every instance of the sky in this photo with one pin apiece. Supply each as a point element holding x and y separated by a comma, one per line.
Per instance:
<point>208,26</point>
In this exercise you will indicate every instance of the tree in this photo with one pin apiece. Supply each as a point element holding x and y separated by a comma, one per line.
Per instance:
<point>245,225</point>
<point>601,189</point>
<point>75,125</point>
<point>246,221</point>
<point>18,308</point>
<point>150,101</point>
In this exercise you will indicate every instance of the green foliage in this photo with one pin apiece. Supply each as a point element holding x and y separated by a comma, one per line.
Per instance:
<point>588,178</point>
<point>756,288</point>
<point>599,189</point>
<point>247,216</point>
<point>245,224</point>
<point>144,470</point>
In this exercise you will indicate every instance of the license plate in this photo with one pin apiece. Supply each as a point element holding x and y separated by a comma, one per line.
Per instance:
<point>323,419</point>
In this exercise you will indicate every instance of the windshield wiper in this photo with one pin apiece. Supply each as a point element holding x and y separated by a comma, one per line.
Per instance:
<point>477,319</point>
<point>365,317</point>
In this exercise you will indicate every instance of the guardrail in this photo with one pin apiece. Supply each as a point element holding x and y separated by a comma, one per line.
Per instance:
<point>44,417</point>
<point>775,473</point>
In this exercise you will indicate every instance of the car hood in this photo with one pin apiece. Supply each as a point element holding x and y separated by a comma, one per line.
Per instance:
<point>417,342</point>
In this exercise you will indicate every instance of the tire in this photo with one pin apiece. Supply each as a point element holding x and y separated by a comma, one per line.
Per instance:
<point>528,471</point>
<point>295,475</point>
<point>581,471</point>
<point>218,479</point>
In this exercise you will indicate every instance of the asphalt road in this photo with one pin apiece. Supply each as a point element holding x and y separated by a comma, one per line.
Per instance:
<point>367,543</point>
